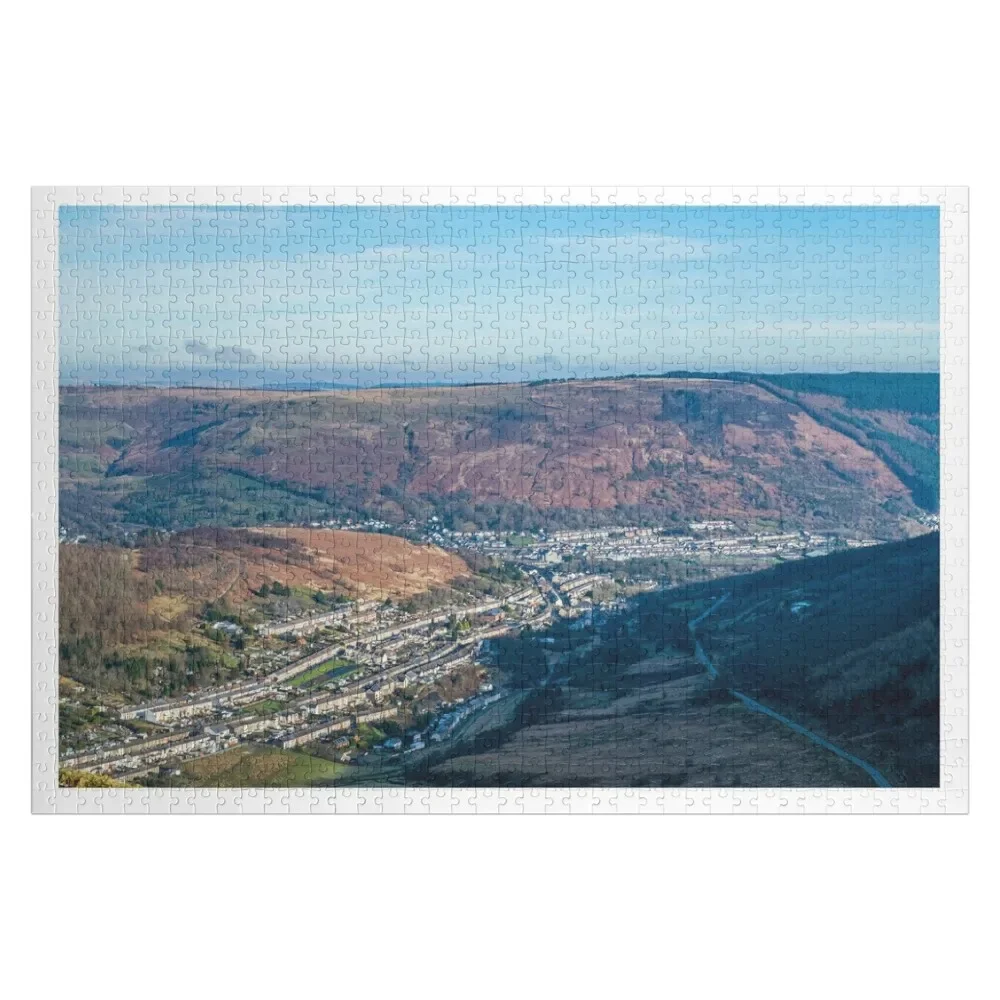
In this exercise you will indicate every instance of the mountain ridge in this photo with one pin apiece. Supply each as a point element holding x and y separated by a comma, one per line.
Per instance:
<point>660,449</point>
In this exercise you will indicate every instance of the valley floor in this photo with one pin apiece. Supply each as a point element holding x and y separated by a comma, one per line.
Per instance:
<point>671,729</point>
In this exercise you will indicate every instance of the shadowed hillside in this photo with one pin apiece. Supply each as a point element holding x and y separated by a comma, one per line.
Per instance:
<point>845,645</point>
<point>849,643</point>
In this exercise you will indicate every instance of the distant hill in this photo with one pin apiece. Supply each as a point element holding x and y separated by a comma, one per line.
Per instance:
<point>804,451</point>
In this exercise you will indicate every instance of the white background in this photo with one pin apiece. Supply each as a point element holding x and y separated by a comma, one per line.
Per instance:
<point>501,94</point>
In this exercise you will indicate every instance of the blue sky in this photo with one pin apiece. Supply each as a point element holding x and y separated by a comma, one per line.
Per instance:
<point>367,295</point>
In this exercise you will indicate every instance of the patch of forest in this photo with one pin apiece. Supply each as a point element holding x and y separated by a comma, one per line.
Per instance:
<point>111,642</point>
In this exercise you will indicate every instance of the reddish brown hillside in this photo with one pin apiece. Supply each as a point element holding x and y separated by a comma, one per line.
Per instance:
<point>370,565</point>
<point>209,564</point>
<point>685,448</point>
<point>128,616</point>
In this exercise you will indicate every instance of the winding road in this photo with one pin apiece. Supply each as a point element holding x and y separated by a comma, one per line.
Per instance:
<point>755,706</point>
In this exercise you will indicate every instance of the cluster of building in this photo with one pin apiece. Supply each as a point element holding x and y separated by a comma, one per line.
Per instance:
<point>446,724</point>
<point>349,616</point>
<point>310,734</point>
<point>622,544</point>
<point>570,588</point>
<point>372,524</point>
<point>140,757</point>
<point>391,651</point>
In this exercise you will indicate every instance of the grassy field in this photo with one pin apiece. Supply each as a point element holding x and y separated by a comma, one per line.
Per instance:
<point>329,670</point>
<point>250,766</point>
<point>520,541</point>
<point>265,707</point>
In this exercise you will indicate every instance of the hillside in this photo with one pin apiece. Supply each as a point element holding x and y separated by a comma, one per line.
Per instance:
<point>846,645</point>
<point>128,615</point>
<point>850,644</point>
<point>666,450</point>
<point>211,563</point>
<point>894,416</point>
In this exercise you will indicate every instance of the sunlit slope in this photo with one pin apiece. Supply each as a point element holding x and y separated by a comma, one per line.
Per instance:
<point>129,617</point>
<point>549,454</point>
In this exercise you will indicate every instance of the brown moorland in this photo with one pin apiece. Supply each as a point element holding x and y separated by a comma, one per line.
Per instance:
<point>678,448</point>
<point>368,565</point>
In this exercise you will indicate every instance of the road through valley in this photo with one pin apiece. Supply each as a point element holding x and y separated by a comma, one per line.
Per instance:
<point>755,706</point>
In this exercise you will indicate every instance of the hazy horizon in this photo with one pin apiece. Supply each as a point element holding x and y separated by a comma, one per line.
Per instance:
<point>255,295</point>
<point>319,384</point>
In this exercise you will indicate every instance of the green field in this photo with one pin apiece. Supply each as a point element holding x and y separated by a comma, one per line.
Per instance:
<point>265,707</point>
<point>253,766</point>
<point>328,670</point>
<point>521,541</point>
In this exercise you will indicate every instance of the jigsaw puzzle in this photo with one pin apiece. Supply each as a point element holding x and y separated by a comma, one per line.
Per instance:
<point>513,500</point>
